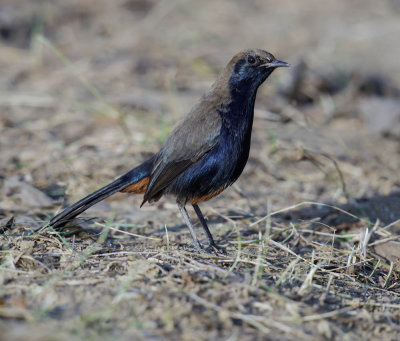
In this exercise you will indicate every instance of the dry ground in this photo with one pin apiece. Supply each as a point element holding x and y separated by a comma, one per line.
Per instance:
<point>91,88</point>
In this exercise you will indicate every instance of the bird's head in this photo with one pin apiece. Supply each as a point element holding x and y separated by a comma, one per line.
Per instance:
<point>248,69</point>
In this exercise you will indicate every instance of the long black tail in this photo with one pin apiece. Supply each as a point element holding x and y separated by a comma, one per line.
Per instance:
<point>132,177</point>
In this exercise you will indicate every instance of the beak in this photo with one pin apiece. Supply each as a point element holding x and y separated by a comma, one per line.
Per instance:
<point>274,64</point>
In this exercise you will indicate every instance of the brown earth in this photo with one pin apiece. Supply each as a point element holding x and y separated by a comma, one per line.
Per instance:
<point>91,88</point>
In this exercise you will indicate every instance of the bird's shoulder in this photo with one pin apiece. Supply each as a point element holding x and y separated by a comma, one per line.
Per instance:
<point>196,133</point>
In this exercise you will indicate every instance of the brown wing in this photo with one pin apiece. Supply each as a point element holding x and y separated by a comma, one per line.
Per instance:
<point>194,136</point>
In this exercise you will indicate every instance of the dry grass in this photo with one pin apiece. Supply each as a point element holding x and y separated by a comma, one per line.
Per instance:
<point>283,280</point>
<point>94,88</point>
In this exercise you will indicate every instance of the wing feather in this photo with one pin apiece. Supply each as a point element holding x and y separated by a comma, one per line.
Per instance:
<point>194,136</point>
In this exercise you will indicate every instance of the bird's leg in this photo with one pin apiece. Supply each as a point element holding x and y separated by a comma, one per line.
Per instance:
<point>190,226</point>
<point>203,222</point>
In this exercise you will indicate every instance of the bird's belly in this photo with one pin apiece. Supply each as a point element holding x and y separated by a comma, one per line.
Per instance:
<point>207,178</point>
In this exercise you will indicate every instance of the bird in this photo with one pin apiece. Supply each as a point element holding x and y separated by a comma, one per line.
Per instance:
<point>205,153</point>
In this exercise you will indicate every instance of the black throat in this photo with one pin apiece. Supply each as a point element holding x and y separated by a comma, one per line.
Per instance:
<point>237,113</point>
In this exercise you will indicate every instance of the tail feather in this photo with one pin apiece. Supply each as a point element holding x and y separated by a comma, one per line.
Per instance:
<point>136,175</point>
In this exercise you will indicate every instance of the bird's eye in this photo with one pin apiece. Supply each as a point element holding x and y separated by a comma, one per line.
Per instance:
<point>251,59</point>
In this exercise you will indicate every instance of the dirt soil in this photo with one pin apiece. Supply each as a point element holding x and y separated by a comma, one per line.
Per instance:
<point>90,89</point>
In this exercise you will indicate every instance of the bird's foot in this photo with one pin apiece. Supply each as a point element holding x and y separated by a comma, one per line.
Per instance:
<point>216,250</point>
<point>211,249</point>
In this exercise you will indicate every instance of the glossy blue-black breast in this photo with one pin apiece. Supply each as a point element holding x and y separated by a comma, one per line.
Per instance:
<point>221,166</point>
